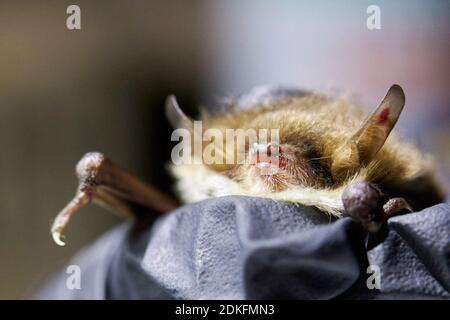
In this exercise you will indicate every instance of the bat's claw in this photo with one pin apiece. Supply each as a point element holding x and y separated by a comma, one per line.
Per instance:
<point>56,235</point>
<point>63,217</point>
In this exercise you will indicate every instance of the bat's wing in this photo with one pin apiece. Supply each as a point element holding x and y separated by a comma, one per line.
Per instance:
<point>106,184</point>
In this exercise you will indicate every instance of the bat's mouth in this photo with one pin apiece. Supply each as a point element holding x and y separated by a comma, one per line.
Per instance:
<point>279,167</point>
<point>266,169</point>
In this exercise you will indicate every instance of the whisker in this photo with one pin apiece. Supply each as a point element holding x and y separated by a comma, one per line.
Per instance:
<point>319,158</point>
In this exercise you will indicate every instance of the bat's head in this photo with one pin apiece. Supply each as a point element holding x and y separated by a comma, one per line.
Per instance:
<point>311,141</point>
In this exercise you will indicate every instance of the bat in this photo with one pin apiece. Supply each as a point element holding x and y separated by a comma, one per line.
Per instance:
<point>327,155</point>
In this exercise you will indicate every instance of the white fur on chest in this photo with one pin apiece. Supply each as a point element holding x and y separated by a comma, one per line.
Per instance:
<point>198,182</point>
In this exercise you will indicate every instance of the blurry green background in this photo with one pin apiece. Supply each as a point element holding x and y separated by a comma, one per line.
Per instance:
<point>102,88</point>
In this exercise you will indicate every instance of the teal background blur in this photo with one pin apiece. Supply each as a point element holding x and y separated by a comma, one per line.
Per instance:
<point>63,93</point>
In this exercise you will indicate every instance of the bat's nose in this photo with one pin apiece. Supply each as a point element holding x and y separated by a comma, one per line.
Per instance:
<point>264,153</point>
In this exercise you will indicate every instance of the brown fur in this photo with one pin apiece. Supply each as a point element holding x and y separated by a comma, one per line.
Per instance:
<point>321,127</point>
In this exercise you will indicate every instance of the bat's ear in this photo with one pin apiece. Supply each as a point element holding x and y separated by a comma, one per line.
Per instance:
<point>368,140</point>
<point>176,116</point>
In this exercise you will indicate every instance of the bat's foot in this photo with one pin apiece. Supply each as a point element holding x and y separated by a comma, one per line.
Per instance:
<point>102,182</point>
<point>367,205</point>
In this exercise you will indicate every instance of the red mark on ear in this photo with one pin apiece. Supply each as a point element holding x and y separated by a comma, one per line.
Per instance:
<point>383,117</point>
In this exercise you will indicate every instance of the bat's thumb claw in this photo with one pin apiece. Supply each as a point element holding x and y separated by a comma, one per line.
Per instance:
<point>63,217</point>
<point>56,235</point>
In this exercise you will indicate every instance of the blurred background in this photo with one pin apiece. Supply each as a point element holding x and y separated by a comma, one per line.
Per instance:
<point>102,88</point>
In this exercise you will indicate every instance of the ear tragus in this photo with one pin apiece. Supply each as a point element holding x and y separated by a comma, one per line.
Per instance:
<point>368,140</point>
